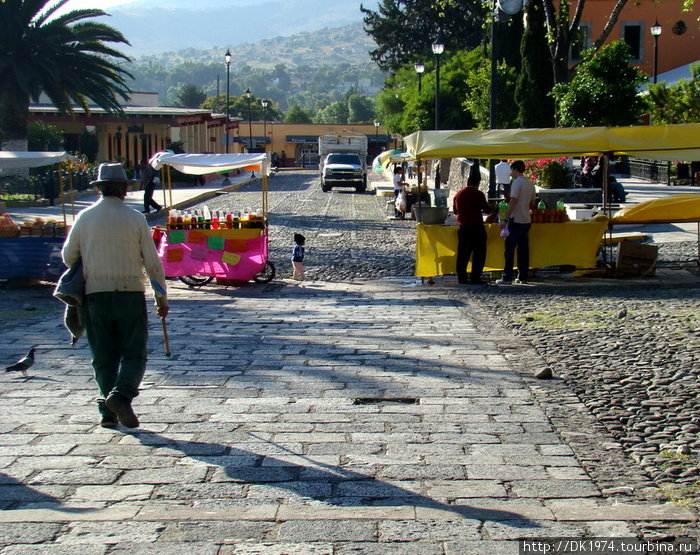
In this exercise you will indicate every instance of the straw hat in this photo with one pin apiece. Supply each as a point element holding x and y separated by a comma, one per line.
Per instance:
<point>110,173</point>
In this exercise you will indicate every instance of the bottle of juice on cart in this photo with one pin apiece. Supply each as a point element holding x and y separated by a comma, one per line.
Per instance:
<point>172,219</point>
<point>215,219</point>
<point>502,211</point>
<point>207,217</point>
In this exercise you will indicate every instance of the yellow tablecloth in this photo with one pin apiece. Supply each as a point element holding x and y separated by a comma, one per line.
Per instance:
<point>570,244</point>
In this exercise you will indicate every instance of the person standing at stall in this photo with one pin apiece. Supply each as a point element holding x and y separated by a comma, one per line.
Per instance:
<point>518,222</point>
<point>148,177</point>
<point>502,170</point>
<point>469,205</point>
<point>398,189</point>
<point>115,245</point>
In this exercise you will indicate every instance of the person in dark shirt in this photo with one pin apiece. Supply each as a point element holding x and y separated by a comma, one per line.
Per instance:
<point>469,205</point>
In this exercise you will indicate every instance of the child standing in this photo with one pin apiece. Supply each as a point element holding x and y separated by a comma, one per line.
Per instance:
<point>298,256</point>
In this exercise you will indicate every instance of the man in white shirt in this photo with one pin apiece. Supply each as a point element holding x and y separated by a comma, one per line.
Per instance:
<point>115,245</point>
<point>522,198</point>
<point>502,170</point>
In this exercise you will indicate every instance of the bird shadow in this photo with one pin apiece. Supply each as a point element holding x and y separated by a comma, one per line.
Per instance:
<point>311,479</point>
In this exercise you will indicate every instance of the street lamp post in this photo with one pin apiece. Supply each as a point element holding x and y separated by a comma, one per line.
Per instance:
<point>249,97</point>
<point>420,69</point>
<point>376,134</point>
<point>656,33</point>
<point>264,107</point>
<point>227,57</point>
<point>438,48</point>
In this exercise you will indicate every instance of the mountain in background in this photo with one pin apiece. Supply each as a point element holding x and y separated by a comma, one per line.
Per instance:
<point>222,24</point>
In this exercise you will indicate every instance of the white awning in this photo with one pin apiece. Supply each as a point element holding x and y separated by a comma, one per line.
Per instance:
<point>201,164</point>
<point>19,159</point>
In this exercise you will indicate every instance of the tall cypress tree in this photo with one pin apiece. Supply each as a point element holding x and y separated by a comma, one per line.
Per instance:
<point>536,79</point>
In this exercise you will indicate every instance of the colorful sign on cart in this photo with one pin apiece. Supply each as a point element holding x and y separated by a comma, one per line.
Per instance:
<point>237,254</point>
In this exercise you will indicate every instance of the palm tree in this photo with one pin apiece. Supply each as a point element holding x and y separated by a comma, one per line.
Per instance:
<point>64,56</point>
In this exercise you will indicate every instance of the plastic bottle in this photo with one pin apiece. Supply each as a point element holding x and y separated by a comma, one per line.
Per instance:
<point>541,205</point>
<point>172,219</point>
<point>207,217</point>
<point>502,211</point>
<point>215,220</point>
<point>229,220</point>
<point>561,205</point>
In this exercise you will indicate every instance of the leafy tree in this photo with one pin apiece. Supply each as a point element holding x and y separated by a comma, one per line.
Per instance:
<point>677,103</point>
<point>536,79</point>
<point>404,29</point>
<point>68,57</point>
<point>477,99</point>
<point>43,136</point>
<point>361,109</point>
<point>190,96</point>
<point>297,114</point>
<point>604,90</point>
<point>335,113</point>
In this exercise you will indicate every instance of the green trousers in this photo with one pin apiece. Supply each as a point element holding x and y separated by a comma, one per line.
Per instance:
<point>117,331</point>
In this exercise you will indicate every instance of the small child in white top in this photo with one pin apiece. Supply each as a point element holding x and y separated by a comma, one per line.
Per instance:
<point>298,257</point>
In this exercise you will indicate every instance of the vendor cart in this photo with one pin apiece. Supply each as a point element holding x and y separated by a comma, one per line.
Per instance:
<point>32,250</point>
<point>230,247</point>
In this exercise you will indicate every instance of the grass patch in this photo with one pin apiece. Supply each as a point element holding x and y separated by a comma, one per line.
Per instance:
<point>684,496</point>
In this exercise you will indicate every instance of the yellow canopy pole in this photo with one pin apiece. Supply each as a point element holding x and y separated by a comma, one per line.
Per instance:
<point>62,196</point>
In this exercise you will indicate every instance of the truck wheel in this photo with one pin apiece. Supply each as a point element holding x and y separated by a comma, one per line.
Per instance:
<point>325,188</point>
<point>361,188</point>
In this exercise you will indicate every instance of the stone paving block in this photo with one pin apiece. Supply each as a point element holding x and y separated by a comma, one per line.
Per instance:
<point>184,475</point>
<point>100,533</point>
<point>572,511</point>
<point>552,489</point>
<point>66,513</point>
<point>277,548</point>
<point>422,472</point>
<point>487,509</point>
<point>328,512</point>
<point>108,493</point>
<point>531,529</point>
<point>165,548</point>
<point>22,494</point>
<point>249,474</point>
<point>428,530</point>
<point>75,476</point>
<point>506,472</point>
<point>390,548</point>
<point>27,532</point>
<point>50,547</point>
<point>186,513</point>
<point>456,489</point>
<point>481,547</point>
<point>327,530</point>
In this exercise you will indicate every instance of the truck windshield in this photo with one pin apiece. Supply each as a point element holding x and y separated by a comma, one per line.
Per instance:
<point>343,159</point>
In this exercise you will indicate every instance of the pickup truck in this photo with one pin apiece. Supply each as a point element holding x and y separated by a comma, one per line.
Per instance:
<point>343,169</point>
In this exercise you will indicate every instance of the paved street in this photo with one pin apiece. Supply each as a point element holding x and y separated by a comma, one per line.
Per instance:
<point>337,415</point>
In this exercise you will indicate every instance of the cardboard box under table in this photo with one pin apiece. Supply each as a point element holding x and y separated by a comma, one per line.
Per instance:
<point>563,244</point>
<point>237,254</point>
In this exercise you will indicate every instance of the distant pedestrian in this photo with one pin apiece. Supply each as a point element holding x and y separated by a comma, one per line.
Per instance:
<point>502,179</point>
<point>115,245</point>
<point>522,199</point>
<point>469,206</point>
<point>298,257</point>
<point>399,187</point>
<point>148,177</point>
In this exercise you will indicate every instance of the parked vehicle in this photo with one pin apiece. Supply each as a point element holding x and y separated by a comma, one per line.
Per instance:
<point>343,161</point>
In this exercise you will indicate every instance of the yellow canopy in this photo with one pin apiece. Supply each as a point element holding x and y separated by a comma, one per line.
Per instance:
<point>683,207</point>
<point>661,142</point>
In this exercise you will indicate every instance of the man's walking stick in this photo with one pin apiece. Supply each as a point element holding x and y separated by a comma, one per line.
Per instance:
<point>166,339</point>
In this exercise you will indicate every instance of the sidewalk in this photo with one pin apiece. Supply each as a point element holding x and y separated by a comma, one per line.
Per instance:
<point>181,196</point>
<point>312,418</point>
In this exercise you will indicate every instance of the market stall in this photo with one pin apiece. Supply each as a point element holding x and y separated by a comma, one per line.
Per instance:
<point>32,250</point>
<point>667,142</point>
<point>227,245</point>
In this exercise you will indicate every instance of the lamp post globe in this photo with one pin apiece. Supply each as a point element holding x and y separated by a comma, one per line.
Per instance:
<point>420,69</point>
<point>249,97</point>
<point>264,103</point>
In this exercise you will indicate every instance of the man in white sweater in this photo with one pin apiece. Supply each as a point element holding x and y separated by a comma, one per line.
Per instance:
<point>115,244</point>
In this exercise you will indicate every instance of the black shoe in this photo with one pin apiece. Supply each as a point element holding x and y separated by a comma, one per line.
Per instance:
<point>122,407</point>
<point>108,421</point>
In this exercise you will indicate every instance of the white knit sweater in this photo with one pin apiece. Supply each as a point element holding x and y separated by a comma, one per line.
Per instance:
<point>115,244</point>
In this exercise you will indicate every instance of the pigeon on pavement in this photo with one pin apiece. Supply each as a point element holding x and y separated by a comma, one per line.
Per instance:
<point>23,364</point>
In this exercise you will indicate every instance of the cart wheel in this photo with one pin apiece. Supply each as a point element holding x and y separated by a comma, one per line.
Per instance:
<point>195,281</point>
<point>267,275</point>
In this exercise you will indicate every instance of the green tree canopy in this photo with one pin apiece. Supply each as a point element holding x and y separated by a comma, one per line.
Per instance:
<point>405,29</point>
<point>68,57</point>
<point>604,90</point>
<point>42,136</point>
<point>296,114</point>
<point>677,103</point>
<point>190,96</point>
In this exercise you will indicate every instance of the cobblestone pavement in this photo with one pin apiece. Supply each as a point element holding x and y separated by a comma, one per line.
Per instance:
<point>357,413</point>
